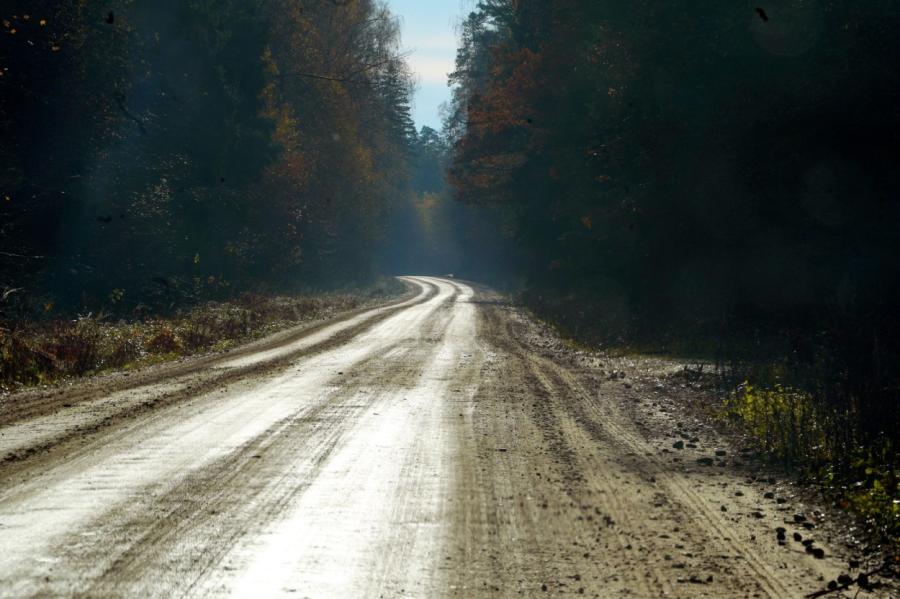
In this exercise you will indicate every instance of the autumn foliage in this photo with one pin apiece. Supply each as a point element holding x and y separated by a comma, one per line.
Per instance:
<point>155,154</point>
<point>693,178</point>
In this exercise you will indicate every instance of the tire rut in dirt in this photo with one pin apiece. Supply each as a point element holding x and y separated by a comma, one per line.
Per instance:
<point>531,521</point>
<point>688,511</point>
<point>30,404</point>
<point>77,440</point>
<point>201,517</point>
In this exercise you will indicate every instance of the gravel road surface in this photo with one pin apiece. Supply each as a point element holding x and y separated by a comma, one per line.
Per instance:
<point>431,447</point>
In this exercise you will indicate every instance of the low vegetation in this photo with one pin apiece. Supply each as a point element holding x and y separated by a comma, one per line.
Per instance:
<point>797,410</point>
<point>48,350</point>
<point>796,431</point>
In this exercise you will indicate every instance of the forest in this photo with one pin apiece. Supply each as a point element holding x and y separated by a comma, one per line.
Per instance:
<point>716,180</point>
<point>156,153</point>
<point>711,180</point>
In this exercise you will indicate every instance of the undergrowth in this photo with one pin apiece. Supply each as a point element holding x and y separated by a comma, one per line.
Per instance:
<point>48,350</point>
<point>805,411</point>
<point>801,434</point>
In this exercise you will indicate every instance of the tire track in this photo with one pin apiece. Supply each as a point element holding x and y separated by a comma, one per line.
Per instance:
<point>709,520</point>
<point>200,380</point>
<point>589,511</point>
<point>31,404</point>
<point>130,537</point>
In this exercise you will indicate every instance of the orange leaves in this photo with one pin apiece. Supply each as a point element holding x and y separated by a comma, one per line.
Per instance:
<point>508,102</point>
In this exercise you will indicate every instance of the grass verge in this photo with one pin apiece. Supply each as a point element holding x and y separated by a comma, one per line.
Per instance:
<point>823,447</point>
<point>50,350</point>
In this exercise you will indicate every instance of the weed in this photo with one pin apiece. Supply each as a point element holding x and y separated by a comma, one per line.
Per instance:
<point>164,341</point>
<point>76,349</point>
<point>126,347</point>
<point>801,433</point>
<point>783,419</point>
<point>21,362</point>
<point>43,351</point>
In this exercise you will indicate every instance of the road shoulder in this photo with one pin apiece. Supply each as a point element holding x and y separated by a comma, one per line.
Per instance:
<point>584,489</point>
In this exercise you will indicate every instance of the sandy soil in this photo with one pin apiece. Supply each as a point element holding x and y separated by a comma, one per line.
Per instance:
<point>442,445</point>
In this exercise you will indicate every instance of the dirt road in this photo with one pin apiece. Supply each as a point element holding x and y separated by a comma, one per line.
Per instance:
<point>438,446</point>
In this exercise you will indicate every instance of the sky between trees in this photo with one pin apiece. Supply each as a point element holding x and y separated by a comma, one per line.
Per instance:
<point>429,34</point>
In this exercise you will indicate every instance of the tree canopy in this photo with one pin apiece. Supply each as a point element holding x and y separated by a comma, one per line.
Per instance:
<point>716,172</point>
<point>157,152</point>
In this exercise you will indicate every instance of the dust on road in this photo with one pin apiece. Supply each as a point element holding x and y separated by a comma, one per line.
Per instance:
<point>427,448</point>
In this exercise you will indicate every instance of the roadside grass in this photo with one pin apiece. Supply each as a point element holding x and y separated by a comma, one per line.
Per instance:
<point>46,351</point>
<point>821,446</point>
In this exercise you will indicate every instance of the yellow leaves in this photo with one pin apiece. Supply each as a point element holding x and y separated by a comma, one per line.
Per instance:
<point>48,306</point>
<point>588,222</point>
<point>197,258</point>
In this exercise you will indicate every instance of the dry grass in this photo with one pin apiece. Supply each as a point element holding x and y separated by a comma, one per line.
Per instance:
<point>41,352</point>
<point>799,433</point>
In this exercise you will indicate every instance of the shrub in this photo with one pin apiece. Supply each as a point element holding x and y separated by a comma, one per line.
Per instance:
<point>22,363</point>
<point>798,431</point>
<point>198,333</point>
<point>76,349</point>
<point>785,420</point>
<point>164,341</point>
<point>126,347</point>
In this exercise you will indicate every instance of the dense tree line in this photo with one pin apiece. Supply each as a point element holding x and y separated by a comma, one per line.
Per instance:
<point>717,172</point>
<point>152,153</point>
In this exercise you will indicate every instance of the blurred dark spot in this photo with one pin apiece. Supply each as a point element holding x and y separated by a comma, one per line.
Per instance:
<point>762,14</point>
<point>111,18</point>
<point>221,179</point>
<point>104,219</point>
